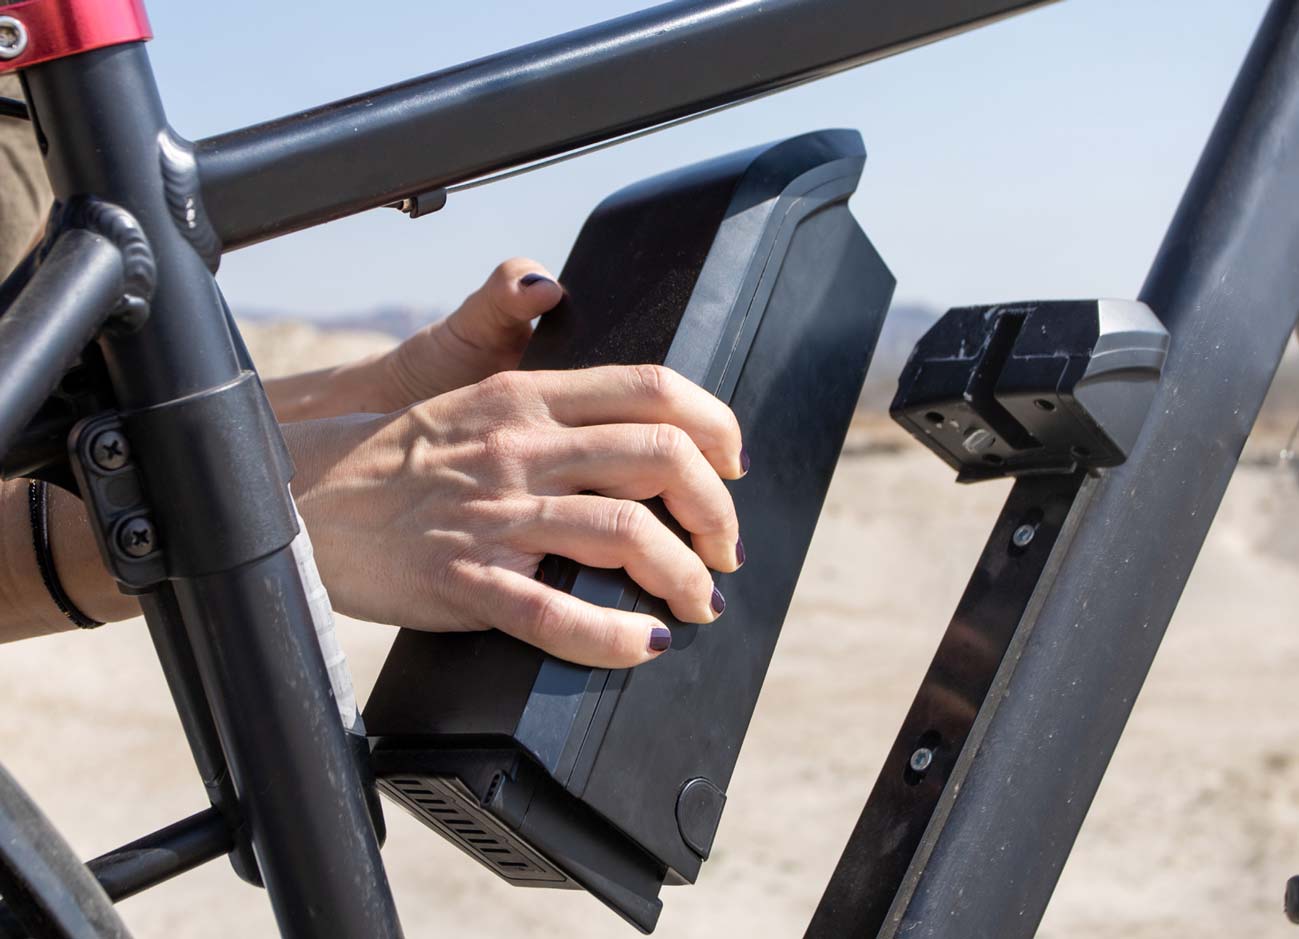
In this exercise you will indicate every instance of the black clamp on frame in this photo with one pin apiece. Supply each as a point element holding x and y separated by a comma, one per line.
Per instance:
<point>117,491</point>
<point>112,489</point>
<point>1030,388</point>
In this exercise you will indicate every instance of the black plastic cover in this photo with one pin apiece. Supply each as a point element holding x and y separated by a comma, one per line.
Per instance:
<point>748,275</point>
<point>1044,386</point>
<point>215,423</point>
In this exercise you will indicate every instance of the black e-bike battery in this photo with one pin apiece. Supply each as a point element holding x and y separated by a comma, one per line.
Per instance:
<point>748,275</point>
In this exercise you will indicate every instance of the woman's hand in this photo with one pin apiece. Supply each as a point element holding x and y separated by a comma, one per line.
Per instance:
<point>485,335</point>
<point>437,517</point>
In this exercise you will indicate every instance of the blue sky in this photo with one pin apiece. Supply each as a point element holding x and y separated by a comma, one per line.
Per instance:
<point>1039,157</point>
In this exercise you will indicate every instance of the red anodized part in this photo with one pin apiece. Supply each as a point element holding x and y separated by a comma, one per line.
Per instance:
<point>53,29</point>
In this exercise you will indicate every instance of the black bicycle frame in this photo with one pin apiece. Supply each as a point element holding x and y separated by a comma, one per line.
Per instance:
<point>667,62</point>
<point>231,621</point>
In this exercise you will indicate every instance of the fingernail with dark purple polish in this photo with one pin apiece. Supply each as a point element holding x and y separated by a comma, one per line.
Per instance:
<point>660,639</point>
<point>739,551</point>
<point>744,460</point>
<point>718,602</point>
<point>527,280</point>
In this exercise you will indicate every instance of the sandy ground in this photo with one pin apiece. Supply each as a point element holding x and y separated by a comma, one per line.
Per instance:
<point>1193,834</point>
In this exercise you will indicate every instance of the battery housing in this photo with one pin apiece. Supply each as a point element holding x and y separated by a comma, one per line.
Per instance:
<point>748,275</point>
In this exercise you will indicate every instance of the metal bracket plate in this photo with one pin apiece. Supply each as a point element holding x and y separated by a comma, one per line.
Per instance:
<point>113,490</point>
<point>1033,388</point>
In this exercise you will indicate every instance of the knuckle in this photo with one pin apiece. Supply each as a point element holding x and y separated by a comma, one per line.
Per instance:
<point>607,638</point>
<point>630,522</point>
<point>515,397</point>
<point>701,582</point>
<point>719,515</point>
<point>496,291</point>
<point>732,422</point>
<point>503,273</point>
<point>504,385</point>
<point>503,446</point>
<point>619,642</point>
<point>670,444</point>
<point>495,516</point>
<point>656,382</point>
<point>541,512</point>
<point>694,592</point>
<point>454,582</point>
<point>549,619</point>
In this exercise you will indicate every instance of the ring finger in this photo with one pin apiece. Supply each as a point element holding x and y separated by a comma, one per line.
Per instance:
<point>644,461</point>
<point>615,533</point>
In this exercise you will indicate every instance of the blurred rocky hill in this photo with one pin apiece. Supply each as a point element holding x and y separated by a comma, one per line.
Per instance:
<point>281,345</point>
<point>285,346</point>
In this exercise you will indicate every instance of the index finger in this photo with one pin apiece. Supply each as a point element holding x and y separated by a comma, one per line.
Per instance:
<point>646,394</point>
<point>564,625</point>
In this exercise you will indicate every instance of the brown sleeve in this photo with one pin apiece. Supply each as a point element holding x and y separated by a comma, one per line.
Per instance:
<point>26,608</point>
<point>24,191</point>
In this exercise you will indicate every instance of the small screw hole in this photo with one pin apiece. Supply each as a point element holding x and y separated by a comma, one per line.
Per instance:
<point>1044,405</point>
<point>934,418</point>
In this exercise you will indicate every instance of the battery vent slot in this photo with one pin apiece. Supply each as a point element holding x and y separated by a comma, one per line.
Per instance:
<point>446,806</point>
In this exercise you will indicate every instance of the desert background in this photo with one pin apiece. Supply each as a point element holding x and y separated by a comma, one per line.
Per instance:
<point>1194,832</point>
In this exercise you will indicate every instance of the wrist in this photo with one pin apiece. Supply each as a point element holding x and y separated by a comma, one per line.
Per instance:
<point>328,452</point>
<point>339,475</point>
<point>362,386</point>
<point>27,607</point>
<point>78,565</point>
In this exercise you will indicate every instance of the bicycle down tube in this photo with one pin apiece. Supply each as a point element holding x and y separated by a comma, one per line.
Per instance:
<point>1048,650</point>
<point>243,605</point>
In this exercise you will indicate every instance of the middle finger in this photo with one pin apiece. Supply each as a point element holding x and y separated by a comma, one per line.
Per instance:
<point>645,461</point>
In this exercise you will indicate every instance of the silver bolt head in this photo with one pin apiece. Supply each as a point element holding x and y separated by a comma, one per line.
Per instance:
<point>978,440</point>
<point>137,538</point>
<point>1023,535</point>
<point>13,37</point>
<point>110,450</point>
<point>921,760</point>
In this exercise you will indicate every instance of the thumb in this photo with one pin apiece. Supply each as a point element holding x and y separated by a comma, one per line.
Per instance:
<point>500,312</point>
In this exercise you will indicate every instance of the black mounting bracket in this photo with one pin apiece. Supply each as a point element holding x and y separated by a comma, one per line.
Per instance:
<point>1030,388</point>
<point>112,489</point>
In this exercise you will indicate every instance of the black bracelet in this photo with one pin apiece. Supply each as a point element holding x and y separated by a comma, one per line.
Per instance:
<point>39,508</point>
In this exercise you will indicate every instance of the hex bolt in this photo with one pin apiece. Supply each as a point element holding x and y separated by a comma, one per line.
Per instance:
<point>921,760</point>
<point>109,450</point>
<point>137,538</point>
<point>1023,535</point>
<point>13,37</point>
